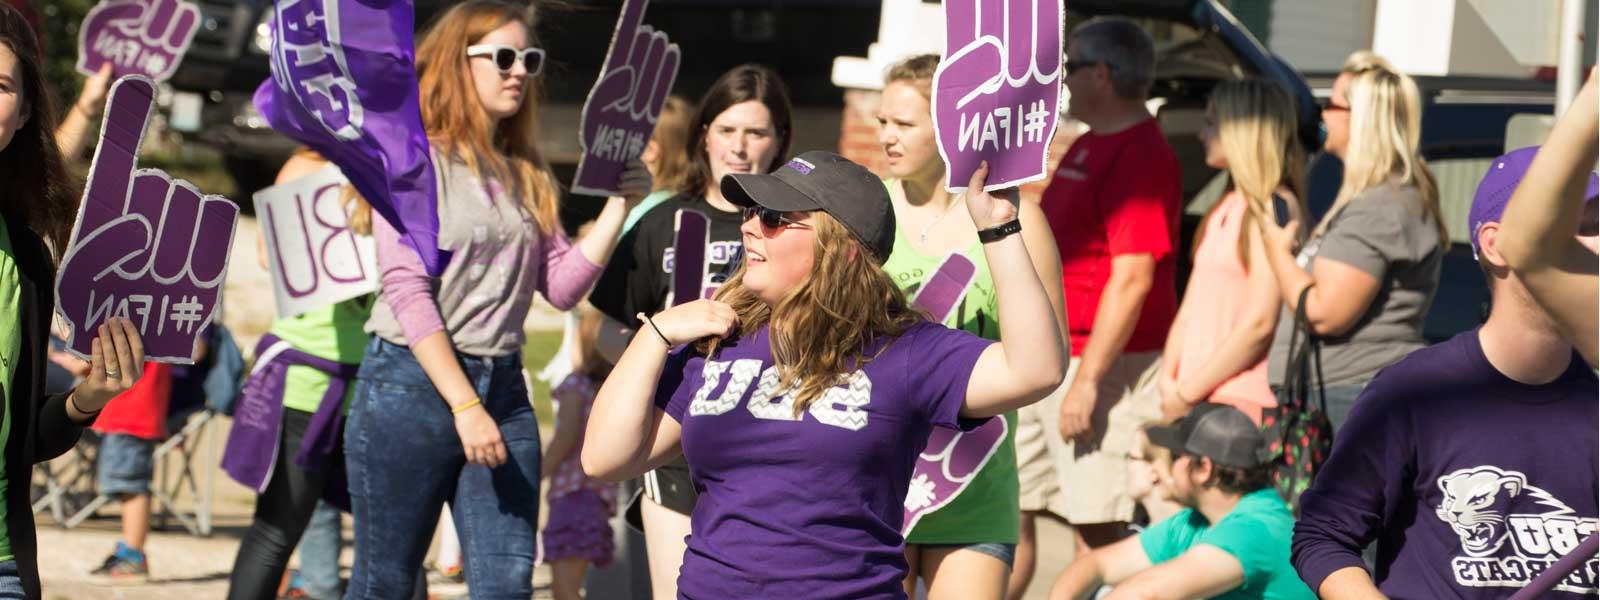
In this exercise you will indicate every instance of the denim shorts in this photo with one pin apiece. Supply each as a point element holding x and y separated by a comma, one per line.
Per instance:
<point>1007,553</point>
<point>124,464</point>
<point>11,582</point>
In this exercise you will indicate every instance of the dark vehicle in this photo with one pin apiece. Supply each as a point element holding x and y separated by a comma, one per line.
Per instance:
<point>228,60</point>
<point>1464,127</point>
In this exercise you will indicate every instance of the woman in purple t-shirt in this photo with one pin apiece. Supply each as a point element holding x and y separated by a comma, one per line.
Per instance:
<point>804,392</point>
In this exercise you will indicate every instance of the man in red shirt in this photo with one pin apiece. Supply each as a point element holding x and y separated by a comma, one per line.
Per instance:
<point>1113,206</point>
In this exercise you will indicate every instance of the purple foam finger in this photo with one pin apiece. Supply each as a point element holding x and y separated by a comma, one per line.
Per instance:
<point>111,170</point>
<point>184,26</point>
<point>947,466</point>
<point>666,76</point>
<point>649,72</point>
<point>942,292</point>
<point>209,262</point>
<point>691,238</point>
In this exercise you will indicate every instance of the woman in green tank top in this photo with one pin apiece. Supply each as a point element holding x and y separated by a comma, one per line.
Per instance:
<point>963,545</point>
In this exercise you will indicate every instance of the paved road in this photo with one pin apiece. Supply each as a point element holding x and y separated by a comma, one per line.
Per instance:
<point>188,567</point>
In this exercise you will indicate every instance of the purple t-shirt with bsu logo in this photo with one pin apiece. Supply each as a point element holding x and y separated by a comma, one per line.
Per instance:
<point>808,506</point>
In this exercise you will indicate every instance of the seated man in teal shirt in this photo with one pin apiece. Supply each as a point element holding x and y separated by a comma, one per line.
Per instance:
<point>1231,542</point>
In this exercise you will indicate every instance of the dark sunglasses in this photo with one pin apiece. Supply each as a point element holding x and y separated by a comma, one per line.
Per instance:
<point>1329,106</point>
<point>506,57</point>
<point>1074,65</point>
<point>772,219</point>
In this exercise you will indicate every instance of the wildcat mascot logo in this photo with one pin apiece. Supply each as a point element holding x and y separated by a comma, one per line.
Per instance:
<point>1491,509</point>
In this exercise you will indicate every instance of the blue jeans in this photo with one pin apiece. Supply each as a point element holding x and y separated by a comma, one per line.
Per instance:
<point>319,552</point>
<point>11,582</point>
<point>405,461</point>
<point>124,465</point>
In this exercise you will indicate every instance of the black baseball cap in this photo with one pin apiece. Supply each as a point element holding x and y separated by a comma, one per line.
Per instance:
<point>824,181</point>
<point>1219,432</point>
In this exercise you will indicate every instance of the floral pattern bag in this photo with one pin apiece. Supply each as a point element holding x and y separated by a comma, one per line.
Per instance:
<point>1299,435</point>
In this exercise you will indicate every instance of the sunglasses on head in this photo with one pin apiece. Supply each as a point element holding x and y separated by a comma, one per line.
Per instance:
<point>1328,105</point>
<point>772,219</point>
<point>506,57</point>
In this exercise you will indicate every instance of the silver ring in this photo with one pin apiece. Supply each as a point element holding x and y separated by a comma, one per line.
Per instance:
<point>111,374</point>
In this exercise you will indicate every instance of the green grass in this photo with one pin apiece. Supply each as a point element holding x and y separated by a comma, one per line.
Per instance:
<point>540,347</point>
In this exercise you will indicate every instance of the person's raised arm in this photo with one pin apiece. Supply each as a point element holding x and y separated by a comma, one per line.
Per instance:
<point>1540,221</point>
<point>73,132</point>
<point>628,434</point>
<point>1111,564</point>
<point>1029,360</point>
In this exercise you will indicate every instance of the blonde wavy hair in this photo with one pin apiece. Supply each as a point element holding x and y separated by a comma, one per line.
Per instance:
<point>821,329</point>
<point>1257,131</point>
<point>458,126</point>
<point>1385,136</point>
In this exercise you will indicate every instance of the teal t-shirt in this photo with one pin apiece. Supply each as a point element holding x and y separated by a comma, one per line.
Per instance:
<point>333,332</point>
<point>10,352</point>
<point>1257,533</point>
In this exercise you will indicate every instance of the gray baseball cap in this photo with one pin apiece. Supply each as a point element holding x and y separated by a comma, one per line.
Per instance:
<point>824,181</point>
<point>1219,432</point>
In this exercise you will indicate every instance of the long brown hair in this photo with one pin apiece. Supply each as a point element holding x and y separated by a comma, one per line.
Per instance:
<point>1257,131</point>
<point>821,329</point>
<point>740,84</point>
<point>672,137</point>
<point>455,120</point>
<point>37,190</point>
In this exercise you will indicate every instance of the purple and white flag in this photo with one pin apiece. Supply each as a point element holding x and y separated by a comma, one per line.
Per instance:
<point>138,37</point>
<point>952,458</point>
<point>146,247</point>
<point>344,82</point>
<point>998,90</point>
<point>620,114</point>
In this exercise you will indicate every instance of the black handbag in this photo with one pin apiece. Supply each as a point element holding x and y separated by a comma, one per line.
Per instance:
<point>1298,432</point>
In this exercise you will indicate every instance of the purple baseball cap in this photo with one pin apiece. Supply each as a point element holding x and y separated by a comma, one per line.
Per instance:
<point>1495,190</point>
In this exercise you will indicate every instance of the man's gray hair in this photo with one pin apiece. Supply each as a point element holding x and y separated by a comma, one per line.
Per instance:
<point>1124,48</point>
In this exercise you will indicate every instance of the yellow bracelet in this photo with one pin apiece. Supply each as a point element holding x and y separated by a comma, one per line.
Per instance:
<point>464,407</point>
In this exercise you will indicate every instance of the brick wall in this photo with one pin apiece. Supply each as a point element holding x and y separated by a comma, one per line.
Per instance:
<point>858,130</point>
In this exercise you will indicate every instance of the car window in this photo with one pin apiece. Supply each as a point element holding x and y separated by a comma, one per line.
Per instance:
<point>1458,181</point>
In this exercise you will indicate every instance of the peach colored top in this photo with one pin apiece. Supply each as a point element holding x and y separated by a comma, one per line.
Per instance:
<point>1218,290</point>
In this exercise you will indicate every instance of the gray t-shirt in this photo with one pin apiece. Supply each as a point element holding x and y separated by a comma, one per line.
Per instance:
<point>1386,232</point>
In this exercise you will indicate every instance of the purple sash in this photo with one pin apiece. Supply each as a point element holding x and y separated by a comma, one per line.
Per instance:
<point>252,450</point>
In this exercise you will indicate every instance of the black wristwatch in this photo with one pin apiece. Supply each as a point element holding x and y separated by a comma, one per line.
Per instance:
<point>1000,232</point>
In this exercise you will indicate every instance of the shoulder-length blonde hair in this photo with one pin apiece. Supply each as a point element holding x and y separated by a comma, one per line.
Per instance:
<point>1257,131</point>
<point>1385,136</point>
<point>456,123</point>
<point>820,331</point>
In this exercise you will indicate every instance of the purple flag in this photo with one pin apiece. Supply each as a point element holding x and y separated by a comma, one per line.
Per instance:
<point>344,82</point>
<point>998,90</point>
<point>952,458</point>
<point>620,114</point>
<point>138,37</point>
<point>146,247</point>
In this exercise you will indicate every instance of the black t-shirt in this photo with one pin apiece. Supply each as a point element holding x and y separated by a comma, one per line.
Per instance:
<point>639,276</point>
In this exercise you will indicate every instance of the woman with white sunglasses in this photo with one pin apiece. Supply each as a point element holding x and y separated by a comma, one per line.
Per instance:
<point>440,411</point>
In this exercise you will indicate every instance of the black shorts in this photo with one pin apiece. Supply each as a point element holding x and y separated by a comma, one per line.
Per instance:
<point>668,486</point>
